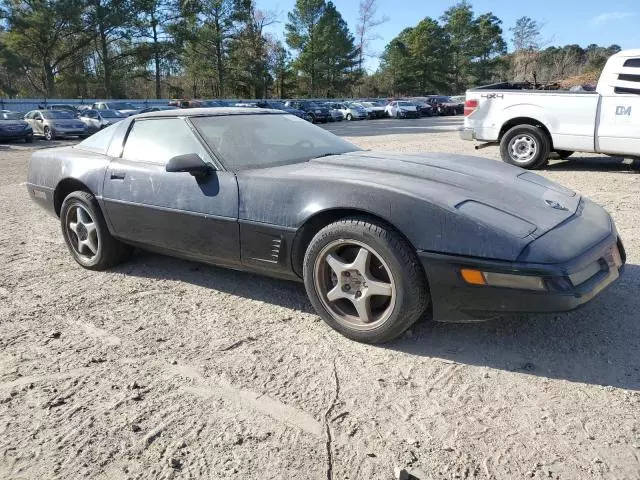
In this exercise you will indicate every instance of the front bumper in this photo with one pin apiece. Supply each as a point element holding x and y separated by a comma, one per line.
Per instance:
<point>15,134</point>
<point>455,300</point>
<point>409,114</point>
<point>69,131</point>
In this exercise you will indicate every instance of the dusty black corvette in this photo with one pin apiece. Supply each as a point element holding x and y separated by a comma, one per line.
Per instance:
<point>374,236</point>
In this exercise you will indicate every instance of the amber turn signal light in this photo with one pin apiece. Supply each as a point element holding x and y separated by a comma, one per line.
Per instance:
<point>474,277</point>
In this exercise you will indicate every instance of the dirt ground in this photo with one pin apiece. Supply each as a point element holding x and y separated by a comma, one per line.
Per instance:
<point>163,368</point>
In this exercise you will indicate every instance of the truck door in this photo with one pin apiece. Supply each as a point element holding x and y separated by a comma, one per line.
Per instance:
<point>618,129</point>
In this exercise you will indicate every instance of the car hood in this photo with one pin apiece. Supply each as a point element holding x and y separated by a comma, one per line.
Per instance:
<point>13,123</point>
<point>502,196</point>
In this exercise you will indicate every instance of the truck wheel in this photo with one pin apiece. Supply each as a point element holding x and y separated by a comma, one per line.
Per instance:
<point>564,154</point>
<point>525,146</point>
<point>364,280</point>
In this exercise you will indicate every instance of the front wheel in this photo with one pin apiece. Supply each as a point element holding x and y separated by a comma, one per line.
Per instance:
<point>28,139</point>
<point>48,134</point>
<point>525,146</point>
<point>364,280</point>
<point>86,234</point>
<point>349,117</point>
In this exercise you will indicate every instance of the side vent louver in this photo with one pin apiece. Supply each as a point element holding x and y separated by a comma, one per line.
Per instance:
<point>275,249</point>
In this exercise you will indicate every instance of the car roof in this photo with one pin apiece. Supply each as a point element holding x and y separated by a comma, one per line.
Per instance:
<point>210,112</point>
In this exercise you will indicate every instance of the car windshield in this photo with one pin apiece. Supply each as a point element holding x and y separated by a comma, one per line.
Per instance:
<point>111,114</point>
<point>405,104</point>
<point>12,116</point>
<point>276,105</point>
<point>260,141</point>
<point>121,106</point>
<point>57,115</point>
<point>443,99</point>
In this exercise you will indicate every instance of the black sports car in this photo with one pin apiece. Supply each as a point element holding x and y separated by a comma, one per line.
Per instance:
<point>374,236</point>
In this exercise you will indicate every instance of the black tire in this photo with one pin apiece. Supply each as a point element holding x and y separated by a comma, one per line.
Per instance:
<point>538,143</point>
<point>313,118</point>
<point>48,135</point>
<point>28,139</point>
<point>349,117</point>
<point>564,154</point>
<point>109,251</point>
<point>411,293</point>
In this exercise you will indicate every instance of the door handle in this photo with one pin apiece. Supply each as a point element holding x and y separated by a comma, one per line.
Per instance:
<point>117,175</point>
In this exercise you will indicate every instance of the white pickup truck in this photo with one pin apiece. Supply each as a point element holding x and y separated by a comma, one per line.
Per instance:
<point>531,124</point>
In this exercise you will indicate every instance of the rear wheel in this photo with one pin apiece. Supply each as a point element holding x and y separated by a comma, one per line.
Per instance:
<point>364,280</point>
<point>349,117</point>
<point>86,234</point>
<point>525,146</point>
<point>48,134</point>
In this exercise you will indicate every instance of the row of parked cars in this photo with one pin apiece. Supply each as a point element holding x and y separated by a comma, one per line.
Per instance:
<point>64,120</point>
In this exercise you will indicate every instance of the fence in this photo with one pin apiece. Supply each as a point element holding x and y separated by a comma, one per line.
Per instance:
<point>28,104</point>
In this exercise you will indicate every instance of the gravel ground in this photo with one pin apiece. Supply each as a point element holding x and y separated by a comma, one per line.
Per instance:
<point>164,368</point>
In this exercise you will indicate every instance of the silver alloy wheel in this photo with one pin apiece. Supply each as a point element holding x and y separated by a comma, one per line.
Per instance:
<point>47,134</point>
<point>82,232</point>
<point>523,148</point>
<point>354,284</point>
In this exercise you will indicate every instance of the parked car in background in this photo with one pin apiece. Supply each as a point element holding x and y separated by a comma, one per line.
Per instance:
<point>50,124</point>
<point>424,109</point>
<point>402,109</point>
<point>14,127</point>
<point>336,114</point>
<point>279,105</point>
<point>443,105</point>
<point>98,119</point>
<point>351,111</point>
<point>373,109</point>
<point>125,108</point>
<point>196,103</point>
<point>157,108</point>
<point>317,112</point>
<point>62,106</point>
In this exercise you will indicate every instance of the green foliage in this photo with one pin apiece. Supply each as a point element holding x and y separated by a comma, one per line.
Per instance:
<point>221,48</point>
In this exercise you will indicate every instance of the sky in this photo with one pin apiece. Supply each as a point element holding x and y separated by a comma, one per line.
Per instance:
<point>564,22</point>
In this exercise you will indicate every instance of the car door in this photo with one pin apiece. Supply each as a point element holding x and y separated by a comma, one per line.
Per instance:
<point>89,118</point>
<point>175,212</point>
<point>37,123</point>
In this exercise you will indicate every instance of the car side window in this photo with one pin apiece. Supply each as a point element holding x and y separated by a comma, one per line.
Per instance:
<point>159,140</point>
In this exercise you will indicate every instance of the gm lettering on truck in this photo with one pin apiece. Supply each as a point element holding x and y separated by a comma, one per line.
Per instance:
<point>621,110</point>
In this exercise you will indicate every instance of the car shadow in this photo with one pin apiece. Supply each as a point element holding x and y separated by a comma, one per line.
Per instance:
<point>598,344</point>
<point>595,164</point>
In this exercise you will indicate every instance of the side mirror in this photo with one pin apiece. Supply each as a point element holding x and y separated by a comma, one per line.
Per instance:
<point>190,163</point>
